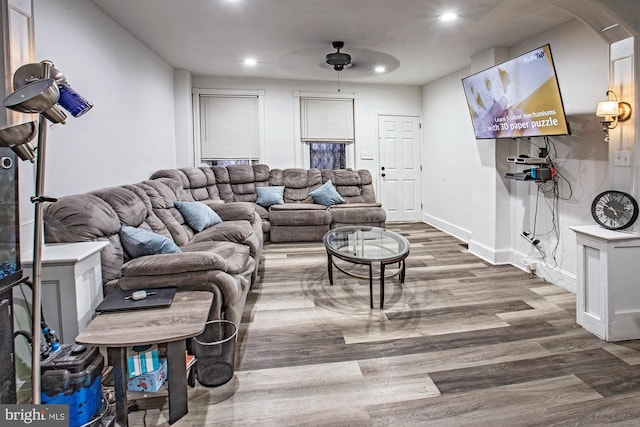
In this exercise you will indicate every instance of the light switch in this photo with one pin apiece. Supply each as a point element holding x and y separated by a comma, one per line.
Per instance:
<point>367,155</point>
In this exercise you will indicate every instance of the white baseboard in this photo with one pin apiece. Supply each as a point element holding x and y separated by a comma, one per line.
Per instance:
<point>454,230</point>
<point>495,257</point>
<point>556,276</point>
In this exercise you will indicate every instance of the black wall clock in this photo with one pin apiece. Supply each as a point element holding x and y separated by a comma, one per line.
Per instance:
<point>614,210</point>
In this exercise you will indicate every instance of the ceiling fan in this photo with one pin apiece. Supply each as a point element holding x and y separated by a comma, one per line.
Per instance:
<point>338,60</point>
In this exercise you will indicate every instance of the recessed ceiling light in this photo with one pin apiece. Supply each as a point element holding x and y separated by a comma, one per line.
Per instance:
<point>250,62</point>
<point>380,69</point>
<point>448,16</point>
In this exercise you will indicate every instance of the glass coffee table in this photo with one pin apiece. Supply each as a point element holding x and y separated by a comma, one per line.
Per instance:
<point>366,246</point>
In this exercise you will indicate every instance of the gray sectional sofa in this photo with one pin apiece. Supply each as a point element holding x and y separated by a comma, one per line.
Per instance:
<point>299,218</point>
<point>158,239</point>
<point>220,259</point>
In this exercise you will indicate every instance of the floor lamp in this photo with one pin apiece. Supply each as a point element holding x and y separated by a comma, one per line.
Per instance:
<point>40,89</point>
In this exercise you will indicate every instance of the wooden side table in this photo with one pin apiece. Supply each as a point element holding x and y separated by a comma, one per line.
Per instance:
<point>185,318</point>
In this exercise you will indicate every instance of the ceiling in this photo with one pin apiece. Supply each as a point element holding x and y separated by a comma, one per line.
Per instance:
<point>290,38</point>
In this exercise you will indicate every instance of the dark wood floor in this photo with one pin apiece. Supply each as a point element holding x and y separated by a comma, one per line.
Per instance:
<point>460,343</point>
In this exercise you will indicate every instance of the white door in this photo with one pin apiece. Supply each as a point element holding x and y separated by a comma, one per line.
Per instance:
<point>400,168</point>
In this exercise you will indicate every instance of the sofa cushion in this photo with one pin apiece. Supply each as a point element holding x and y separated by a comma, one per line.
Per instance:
<point>270,195</point>
<point>239,182</point>
<point>86,218</point>
<point>139,242</point>
<point>198,215</point>
<point>234,211</point>
<point>228,231</point>
<point>129,207</point>
<point>326,195</point>
<point>160,196</point>
<point>299,214</point>
<point>297,207</point>
<point>297,183</point>
<point>198,182</point>
<point>202,256</point>
<point>353,186</point>
<point>264,213</point>
<point>357,214</point>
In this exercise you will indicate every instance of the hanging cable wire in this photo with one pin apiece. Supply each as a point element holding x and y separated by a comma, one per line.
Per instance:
<point>551,192</point>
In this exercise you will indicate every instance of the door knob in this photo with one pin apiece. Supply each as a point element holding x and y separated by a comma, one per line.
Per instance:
<point>384,174</point>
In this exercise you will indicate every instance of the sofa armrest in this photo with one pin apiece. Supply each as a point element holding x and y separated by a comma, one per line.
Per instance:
<point>162,264</point>
<point>227,231</point>
<point>229,257</point>
<point>234,211</point>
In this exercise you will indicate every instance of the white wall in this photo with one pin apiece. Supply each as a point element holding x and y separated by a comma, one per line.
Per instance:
<point>280,143</point>
<point>582,158</point>
<point>453,162</point>
<point>184,118</point>
<point>449,156</point>
<point>128,134</point>
<point>130,86</point>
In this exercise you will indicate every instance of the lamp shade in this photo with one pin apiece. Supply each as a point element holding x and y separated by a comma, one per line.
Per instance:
<point>17,138</point>
<point>69,99</point>
<point>607,109</point>
<point>30,73</point>
<point>37,97</point>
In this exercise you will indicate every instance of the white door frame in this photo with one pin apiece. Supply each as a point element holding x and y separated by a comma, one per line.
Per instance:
<point>414,214</point>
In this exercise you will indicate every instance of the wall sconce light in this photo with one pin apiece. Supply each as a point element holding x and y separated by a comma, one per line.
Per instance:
<point>612,112</point>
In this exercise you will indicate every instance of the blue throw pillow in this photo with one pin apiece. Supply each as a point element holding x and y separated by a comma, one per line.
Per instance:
<point>268,196</point>
<point>326,195</point>
<point>139,242</point>
<point>198,215</point>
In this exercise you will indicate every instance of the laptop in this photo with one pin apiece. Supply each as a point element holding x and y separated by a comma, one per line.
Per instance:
<point>120,300</point>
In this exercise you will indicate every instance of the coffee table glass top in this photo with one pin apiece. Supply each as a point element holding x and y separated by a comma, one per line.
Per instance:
<point>366,243</point>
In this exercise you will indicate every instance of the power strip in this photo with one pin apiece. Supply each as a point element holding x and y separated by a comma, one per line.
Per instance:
<point>529,237</point>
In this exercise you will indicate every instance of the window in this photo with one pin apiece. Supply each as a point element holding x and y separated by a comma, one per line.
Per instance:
<point>325,119</point>
<point>327,155</point>
<point>327,128</point>
<point>230,126</point>
<point>228,162</point>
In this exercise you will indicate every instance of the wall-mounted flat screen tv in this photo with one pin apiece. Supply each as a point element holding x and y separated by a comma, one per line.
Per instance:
<point>517,98</point>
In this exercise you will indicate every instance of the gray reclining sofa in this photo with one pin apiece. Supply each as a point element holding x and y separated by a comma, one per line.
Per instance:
<point>221,258</point>
<point>299,217</point>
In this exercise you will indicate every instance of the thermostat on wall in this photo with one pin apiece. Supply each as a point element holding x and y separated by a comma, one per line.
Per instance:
<point>366,155</point>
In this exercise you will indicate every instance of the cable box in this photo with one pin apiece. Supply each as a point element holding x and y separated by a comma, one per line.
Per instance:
<point>527,160</point>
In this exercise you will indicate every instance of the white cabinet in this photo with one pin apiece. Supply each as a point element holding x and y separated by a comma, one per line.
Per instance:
<point>71,286</point>
<point>608,282</point>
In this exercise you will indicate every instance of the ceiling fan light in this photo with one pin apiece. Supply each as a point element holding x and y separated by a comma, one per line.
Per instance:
<point>338,60</point>
<point>380,69</point>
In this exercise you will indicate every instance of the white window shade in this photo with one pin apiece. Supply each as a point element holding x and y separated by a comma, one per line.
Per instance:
<point>326,120</point>
<point>229,127</point>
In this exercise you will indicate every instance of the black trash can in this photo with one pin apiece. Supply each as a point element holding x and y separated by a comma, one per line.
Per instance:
<point>215,352</point>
